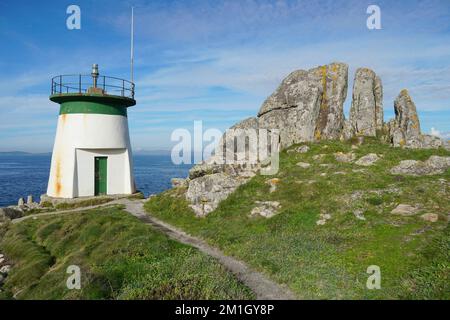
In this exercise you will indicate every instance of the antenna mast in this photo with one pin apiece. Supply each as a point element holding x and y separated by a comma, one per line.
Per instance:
<point>132,43</point>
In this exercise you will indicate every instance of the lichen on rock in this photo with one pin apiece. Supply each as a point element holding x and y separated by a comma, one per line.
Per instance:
<point>366,112</point>
<point>306,107</point>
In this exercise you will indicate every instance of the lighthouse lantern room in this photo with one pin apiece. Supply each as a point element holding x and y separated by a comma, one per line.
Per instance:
<point>92,152</point>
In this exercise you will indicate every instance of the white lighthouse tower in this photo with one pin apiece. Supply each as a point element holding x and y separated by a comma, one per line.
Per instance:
<point>92,152</point>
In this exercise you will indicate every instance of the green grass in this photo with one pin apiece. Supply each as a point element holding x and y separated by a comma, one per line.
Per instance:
<point>330,261</point>
<point>85,203</point>
<point>89,202</point>
<point>119,256</point>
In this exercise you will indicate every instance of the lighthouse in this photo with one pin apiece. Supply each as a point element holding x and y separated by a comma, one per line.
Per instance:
<point>92,152</point>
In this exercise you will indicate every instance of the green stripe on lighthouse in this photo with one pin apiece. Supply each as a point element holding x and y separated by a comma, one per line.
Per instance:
<point>92,103</point>
<point>91,107</point>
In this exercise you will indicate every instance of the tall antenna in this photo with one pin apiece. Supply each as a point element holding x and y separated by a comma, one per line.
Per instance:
<point>132,43</point>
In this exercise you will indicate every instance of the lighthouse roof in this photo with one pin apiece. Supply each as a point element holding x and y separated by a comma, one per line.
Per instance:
<point>81,87</point>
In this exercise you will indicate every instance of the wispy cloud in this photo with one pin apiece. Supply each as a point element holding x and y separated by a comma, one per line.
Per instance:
<point>218,60</point>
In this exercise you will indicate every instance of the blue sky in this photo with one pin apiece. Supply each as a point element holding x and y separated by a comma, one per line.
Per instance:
<point>214,61</point>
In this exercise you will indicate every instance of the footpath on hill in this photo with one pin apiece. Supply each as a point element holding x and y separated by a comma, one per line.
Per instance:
<point>264,288</point>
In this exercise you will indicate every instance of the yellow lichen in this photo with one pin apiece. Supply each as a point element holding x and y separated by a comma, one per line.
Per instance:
<point>324,87</point>
<point>273,181</point>
<point>324,80</point>
<point>323,106</point>
<point>317,134</point>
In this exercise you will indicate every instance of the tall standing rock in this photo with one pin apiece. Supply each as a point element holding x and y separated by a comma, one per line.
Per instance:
<point>366,112</point>
<point>406,114</point>
<point>334,80</point>
<point>308,105</point>
<point>404,130</point>
<point>378,91</point>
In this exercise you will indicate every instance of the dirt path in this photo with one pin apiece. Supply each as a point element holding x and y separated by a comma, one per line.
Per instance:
<point>52,213</point>
<point>264,288</point>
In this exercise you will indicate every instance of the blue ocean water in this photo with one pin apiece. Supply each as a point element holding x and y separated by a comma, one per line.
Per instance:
<point>21,175</point>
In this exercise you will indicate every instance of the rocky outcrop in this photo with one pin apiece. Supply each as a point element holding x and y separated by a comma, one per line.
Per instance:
<point>206,192</point>
<point>345,157</point>
<point>347,131</point>
<point>430,217</point>
<point>5,267</point>
<point>217,177</point>
<point>273,183</point>
<point>324,217</point>
<point>404,130</point>
<point>266,209</point>
<point>207,188</point>
<point>434,165</point>
<point>432,142</point>
<point>303,165</point>
<point>10,213</point>
<point>308,105</point>
<point>405,210</point>
<point>367,160</point>
<point>178,182</point>
<point>229,151</point>
<point>301,149</point>
<point>366,112</point>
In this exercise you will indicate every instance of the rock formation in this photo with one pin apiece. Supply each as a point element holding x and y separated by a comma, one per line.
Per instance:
<point>302,149</point>
<point>206,192</point>
<point>405,210</point>
<point>404,130</point>
<point>345,157</point>
<point>5,268</point>
<point>266,209</point>
<point>214,179</point>
<point>367,160</point>
<point>9,213</point>
<point>434,165</point>
<point>308,105</point>
<point>430,217</point>
<point>406,125</point>
<point>366,112</point>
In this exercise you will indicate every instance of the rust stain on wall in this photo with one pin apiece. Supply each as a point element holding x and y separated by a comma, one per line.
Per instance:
<point>58,185</point>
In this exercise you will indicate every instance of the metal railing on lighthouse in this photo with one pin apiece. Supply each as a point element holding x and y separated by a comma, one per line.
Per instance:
<point>83,83</point>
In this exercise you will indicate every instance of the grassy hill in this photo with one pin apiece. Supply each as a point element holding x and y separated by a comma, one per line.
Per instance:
<point>330,261</point>
<point>119,257</point>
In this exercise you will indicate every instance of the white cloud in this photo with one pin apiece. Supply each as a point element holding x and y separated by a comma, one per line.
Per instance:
<point>442,135</point>
<point>255,70</point>
<point>435,132</point>
<point>245,48</point>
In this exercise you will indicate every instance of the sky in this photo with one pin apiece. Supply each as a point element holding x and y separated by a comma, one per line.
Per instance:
<point>214,61</point>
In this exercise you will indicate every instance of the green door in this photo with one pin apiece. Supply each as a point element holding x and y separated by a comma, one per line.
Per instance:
<point>101,164</point>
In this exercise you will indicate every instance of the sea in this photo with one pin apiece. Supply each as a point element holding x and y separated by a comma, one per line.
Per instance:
<point>27,174</point>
